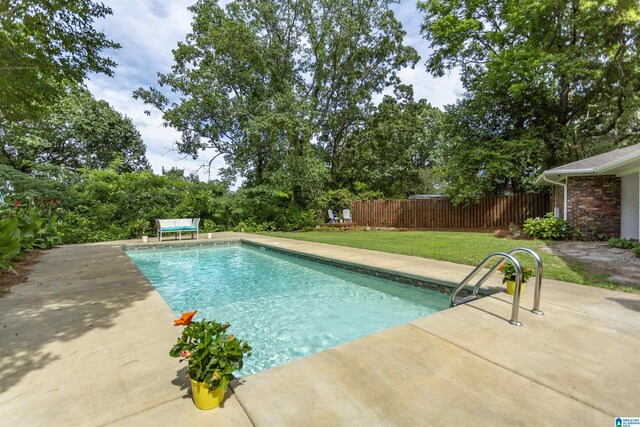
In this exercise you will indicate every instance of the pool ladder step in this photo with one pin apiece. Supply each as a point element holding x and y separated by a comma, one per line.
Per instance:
<point>464,300</point>
<point>503,257</point>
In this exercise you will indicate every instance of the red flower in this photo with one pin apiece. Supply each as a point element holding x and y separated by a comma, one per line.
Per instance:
<point>50,202</point>
<point>185,319</point>
<point>16,203</point>
<point>185,354</point>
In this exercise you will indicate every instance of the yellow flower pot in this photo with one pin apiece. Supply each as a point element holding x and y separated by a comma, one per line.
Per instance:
<point>205,398</point>
<point>511,287</point>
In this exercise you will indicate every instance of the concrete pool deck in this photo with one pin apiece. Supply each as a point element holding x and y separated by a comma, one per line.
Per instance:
<point>85,341</point>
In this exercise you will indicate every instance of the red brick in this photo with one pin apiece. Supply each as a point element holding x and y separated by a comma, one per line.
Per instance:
<point>593,204</point>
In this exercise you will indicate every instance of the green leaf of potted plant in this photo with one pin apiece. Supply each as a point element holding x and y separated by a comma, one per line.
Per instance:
<point>212,355</point>
<point>509,271</point>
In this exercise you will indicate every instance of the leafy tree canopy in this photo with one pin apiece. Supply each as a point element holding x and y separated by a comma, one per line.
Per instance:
<point>390,153</point>
<point>178,173</point>
<point>76,132</point>
<point>547,82</point>
<point>26,186</point>
<point>473,160</point>
<point>44,47</point>
<point>280,85</point>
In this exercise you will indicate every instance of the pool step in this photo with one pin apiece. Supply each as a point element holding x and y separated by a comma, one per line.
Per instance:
<point>464,300</point>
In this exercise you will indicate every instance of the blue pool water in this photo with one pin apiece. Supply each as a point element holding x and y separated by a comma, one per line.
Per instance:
<point>286,307</point>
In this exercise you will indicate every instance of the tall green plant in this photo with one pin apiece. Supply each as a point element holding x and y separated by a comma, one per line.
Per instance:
<point>26,227</point>
<point>10,246</point>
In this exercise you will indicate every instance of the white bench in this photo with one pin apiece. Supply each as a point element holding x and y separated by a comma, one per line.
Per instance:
<point>177,226</point>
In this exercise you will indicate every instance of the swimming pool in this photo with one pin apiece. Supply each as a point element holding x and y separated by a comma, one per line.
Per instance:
<point>286,307</point>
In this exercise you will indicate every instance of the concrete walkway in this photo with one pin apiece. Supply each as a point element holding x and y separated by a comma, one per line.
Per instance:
<point>85,342</point>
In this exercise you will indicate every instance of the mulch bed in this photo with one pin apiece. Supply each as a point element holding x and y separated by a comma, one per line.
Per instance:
<point>20,272</point>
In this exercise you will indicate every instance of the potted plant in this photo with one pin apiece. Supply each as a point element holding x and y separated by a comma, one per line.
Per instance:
<point>212,355</point>
<point>509,271</point>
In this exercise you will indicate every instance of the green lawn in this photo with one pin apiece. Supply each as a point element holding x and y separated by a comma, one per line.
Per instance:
<point>461,248</point>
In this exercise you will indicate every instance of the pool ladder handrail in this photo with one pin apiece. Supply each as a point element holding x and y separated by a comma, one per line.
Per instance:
<point>516,294</point>
<point>538,283</point>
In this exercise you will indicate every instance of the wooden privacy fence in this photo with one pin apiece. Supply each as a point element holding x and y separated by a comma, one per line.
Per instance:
<point>491,212</point>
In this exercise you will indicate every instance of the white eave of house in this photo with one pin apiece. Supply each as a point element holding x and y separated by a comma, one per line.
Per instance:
<point>620,162</point>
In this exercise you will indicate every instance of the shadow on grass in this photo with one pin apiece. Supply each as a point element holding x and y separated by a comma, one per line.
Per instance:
<point>73,291</point>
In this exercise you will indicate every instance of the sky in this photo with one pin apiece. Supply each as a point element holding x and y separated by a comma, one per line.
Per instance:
<point>148,30</point>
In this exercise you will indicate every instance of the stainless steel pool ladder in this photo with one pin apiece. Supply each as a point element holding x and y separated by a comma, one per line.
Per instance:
<point>516,294</point>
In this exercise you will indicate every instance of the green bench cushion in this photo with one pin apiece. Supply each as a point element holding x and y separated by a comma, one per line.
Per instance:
<point>180,228</point>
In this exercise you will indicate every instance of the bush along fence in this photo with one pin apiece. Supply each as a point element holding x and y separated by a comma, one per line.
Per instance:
<point>492,212</point>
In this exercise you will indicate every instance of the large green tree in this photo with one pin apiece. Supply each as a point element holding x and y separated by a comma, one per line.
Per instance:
<point>44,47</point>
<point>391,152</point>
<point>477,156</point>
<point>277,87</point>
<point>76,132</point>
<point>547,81</point>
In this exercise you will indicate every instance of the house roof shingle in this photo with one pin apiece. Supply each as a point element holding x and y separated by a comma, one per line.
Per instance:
<point>612,162</point>
<point>600,161</point>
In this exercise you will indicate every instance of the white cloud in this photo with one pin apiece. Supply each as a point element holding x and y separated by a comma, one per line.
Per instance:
<point>438,91</point>
<point>148,30</point>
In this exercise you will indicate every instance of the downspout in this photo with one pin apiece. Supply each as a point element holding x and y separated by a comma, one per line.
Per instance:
<point>564,186</point>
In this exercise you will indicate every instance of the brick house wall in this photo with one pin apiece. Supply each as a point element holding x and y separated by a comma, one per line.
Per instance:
<point>593,204</point>
<point>557,200</point>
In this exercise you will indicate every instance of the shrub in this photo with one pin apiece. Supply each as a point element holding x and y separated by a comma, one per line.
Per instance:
<point>634,245</point>
<point>101,205</point>
<point>295,219</point>
<point>251,226</point>
<point>111,206</point>
<point>208,226</point>
<point>616,242</point>
<point>548,228</point>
